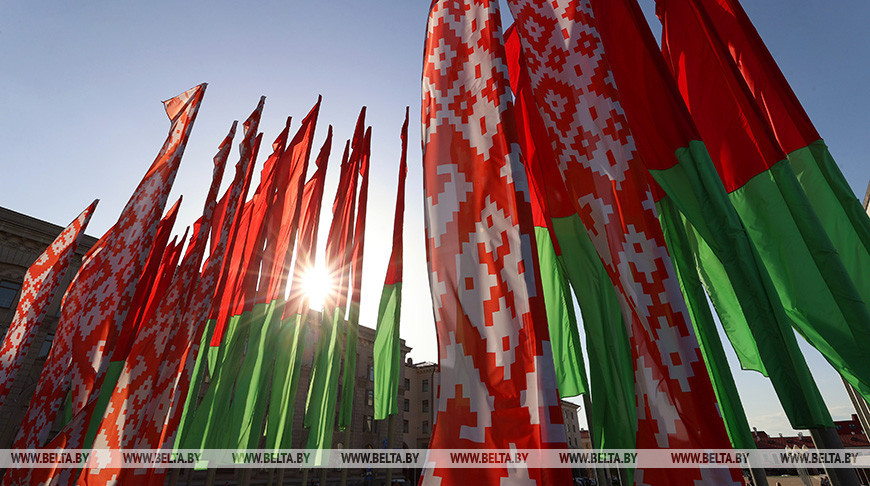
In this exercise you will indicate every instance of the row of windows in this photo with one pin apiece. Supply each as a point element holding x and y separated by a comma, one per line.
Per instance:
<point>425,385</point>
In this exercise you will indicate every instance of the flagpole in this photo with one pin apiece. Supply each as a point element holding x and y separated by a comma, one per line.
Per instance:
<point>389,446</point>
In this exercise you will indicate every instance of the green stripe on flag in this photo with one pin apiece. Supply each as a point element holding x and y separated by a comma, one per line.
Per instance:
<point>192,399</point>
<point>562,324</point>
<point>387,352</point>
<point>611,368</point>
<point>842,215</point>
<point>721,378</point>
<point>285,383</point>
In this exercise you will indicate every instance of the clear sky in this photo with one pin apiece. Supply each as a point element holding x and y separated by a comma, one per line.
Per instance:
<point>81,82</point>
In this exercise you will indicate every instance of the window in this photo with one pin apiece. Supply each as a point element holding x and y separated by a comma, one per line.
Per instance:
<point>425,426</point>
<point>371,372</point>
<point>425,385</point>
<point>407,384</point>
<point>425,406</point>
<point>46,347</point>
<point>407,405</point>
<point>8,292</point>
<point>370,397</point>
<point>405,426</point>
<point>367,425</point>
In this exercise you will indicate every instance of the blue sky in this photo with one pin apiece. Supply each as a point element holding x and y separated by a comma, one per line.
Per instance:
<point>82,81</point>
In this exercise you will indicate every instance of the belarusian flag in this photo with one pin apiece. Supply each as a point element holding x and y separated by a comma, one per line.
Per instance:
<point>840,212</point>
<point>97,301</point>
<point>356,266</point>
<point>137,385</point>
<point>815,287</point>
<point>323,387</point>
<point>597,158</point>
<point>387,353</point>
<point>226,213</point>
<point>708,234</point>
<point>290,336</point>
<point>613,407</point>
<point>498,388</point>
<point>40,283</point>
<point>196,423</point>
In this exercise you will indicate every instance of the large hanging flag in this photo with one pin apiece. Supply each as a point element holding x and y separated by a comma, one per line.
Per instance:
<point>816,289</point>
<point>294,319</point>
<point>844,218</point>
<point>356,267</point>
<point>612,378</point>
<point>498,387</point>
<point>708,232</point>
<point>323,387</point>
<point>387,351</point>
<point>98,300</point>
<point>597,158</point>
<point>40,283</point>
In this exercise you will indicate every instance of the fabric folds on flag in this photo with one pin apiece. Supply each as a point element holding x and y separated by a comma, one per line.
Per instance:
<point>387,352</point>
<point>597,158</point>
<point>816,289</point>
<point>97,301</point>
<point>706,232</point>
<point>498,386</point>
<point>612,378</point>
<point>40,284</point>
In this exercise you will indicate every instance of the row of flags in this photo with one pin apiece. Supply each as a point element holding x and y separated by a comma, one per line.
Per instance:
<point>569,154</point>
<point>572,152</point>
<point>199,343</point>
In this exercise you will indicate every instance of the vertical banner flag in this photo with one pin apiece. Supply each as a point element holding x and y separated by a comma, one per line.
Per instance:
<point>612,377</point>
<point>596,155</point>
<point>844,218</point>
<point>708,233</point>
<point>498,386</point>
<point>815,287</point>
<point>40,284</point>
<point>97,302</point>
<point>387,352</point>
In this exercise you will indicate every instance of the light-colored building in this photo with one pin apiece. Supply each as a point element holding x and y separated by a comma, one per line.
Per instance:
<point>570,414</point>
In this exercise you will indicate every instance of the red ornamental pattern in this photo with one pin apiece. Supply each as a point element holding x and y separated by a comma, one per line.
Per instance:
<point>576,96</point>
<point>96,302</point>
<point>40,283</point>
<point>498,386</point>
<point>136,411</point>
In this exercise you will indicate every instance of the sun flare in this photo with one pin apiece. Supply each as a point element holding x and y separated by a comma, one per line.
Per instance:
<point>316,284</point>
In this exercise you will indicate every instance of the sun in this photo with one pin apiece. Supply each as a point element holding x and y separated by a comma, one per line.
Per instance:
<point>317,284</point>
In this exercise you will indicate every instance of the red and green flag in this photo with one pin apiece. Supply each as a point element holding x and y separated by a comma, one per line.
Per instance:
<point>815,287</point>
<point>290,336</point>
<point>387,351</point>
<point>613,409</point>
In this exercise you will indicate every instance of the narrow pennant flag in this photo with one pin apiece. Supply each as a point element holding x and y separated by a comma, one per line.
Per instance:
<point>387,352</point>
<point>356,265</point>
<point>815,287</point>
<point>322,391</point>
<point>98,299</point>
<point>498,386</point>
<point>706,231</point>
<point>40,284</point>
<point>290,335</point>
<point>597,159</point>
<point>612,377</point>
